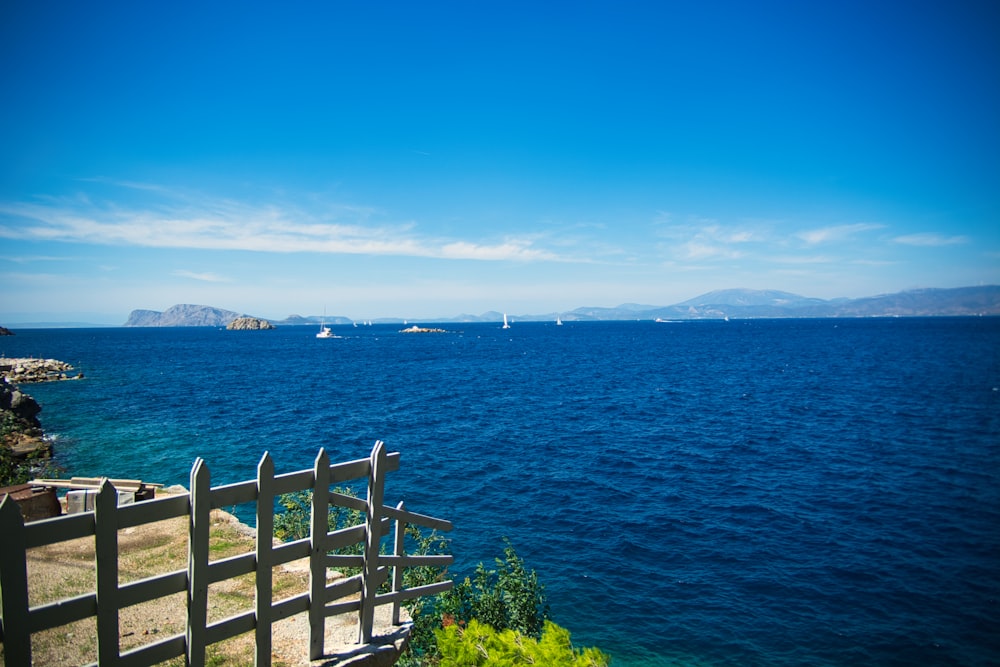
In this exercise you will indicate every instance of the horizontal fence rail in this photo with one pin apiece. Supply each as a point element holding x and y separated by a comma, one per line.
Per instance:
<point>19,620</point>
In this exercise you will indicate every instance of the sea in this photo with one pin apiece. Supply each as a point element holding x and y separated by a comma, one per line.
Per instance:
<point>750,492</point>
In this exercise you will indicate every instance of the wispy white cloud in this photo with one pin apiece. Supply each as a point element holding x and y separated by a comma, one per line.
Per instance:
<point>514,249</point>
<point>803,259</point>
<point>220,224</point>
<point>29,259</point>
<point>700,250</point>
<point>701,240</point>
<point>930,240</point>
<point>204,277</point>
<point>836,232</point>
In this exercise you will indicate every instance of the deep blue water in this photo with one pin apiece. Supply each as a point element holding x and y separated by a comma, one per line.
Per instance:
<point>790,492</point>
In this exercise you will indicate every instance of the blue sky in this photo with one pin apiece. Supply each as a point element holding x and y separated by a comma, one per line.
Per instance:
<point>430,159</point>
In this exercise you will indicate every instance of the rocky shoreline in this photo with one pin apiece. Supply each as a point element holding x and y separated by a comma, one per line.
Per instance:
<point>21,431</point>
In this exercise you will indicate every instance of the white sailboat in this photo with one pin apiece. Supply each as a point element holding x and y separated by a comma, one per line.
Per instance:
<point>324,331</point>
<point>505,324</point>
<point>558,321</point>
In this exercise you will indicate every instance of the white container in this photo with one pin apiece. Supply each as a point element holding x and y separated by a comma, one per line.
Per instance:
<point>82,500</point>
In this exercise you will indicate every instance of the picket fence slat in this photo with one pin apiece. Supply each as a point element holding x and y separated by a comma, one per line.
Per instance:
<point>106,548</point>
<point>264,581</point>
<point>232,567</point>
<point>15,619</point>
<point>291,482</point>
<point>290,551</point>
<point>151,588</point>
<point>415,592</point>
<point>343,537</point>
<point>290,606</point>
<point>319,525</point>
<point>198,574</point>
<point>350,502</point>
<point>398,549</point>
<point>322,600</point>
<point>230,627</point>
<point>229,495</point>
<point>416,561</point>
<point>343,587</point>
<point>343,472</point>
<point>61,612</point>
<point>344,560</point>
<point>154,653</point>
<point>58,529</point>
<point>342,608</point>
<point>150,511</point>
<point>417,519</point>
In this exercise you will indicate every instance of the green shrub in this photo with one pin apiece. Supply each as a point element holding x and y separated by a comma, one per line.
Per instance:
<point>478,644</point>
<point>509,597</point>
<point>292,522</point>
<point>505,605</point>
<point>15,470</point>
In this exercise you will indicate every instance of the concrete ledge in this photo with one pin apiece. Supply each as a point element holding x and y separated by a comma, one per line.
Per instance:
<point>384,650</point>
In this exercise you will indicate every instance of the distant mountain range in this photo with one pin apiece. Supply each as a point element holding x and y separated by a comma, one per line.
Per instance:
<point>731,303</point>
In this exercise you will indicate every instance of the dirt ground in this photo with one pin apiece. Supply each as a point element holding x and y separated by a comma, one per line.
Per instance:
<point>67,569</point>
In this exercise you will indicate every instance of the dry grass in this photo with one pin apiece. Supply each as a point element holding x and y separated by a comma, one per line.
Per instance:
<point>67,569</point>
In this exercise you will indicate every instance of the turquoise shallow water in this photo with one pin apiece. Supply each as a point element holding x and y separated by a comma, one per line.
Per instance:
<point>822,492</point>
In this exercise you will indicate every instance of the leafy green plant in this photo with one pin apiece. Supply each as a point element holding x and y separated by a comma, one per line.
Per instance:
<point>15,470</point>
<point>506,602</point>
<point>478,644</point>
<point>509,597</point>
<point>292,522</point>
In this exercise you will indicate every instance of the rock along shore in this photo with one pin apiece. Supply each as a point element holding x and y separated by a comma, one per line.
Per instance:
<point>22,431</point>
<point>22,370</point>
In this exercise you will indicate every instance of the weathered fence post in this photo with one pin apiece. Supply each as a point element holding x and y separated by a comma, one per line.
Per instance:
<point>265,537</point>
<point>106,555</point>
<point>197,593</point>
<point>397,570</point>
<point>319,525</point>
<point>14,586</point>
<point>373,538</point>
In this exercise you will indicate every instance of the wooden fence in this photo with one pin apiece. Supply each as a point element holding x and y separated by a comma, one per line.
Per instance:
<point>18,620</point>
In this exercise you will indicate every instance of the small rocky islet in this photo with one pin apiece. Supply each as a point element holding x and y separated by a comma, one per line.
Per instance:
<point>416,329</point>
<point>249,324</point>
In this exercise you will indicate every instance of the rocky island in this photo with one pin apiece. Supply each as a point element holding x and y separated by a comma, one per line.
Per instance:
<point>249,324</point>
<point>416,329</point>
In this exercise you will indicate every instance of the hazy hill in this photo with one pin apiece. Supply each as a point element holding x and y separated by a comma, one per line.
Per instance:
<point>733,303</point>
<point>182,315</point>
<point>749,297</point>
<point>967,301</point>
